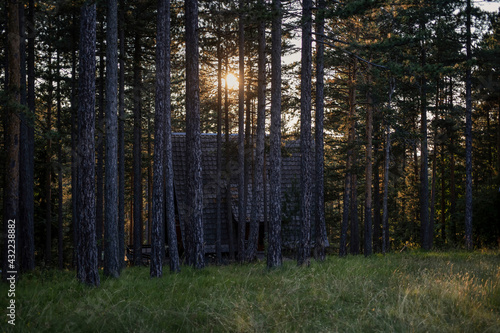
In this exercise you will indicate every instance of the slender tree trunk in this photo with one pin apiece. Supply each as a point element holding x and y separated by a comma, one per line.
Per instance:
<point>74,140</point>
<point>369,175</point>
<point>229,216</point>
<point>100,151</point>
<point>60,233</point>
<point>385,214</point>
<point>12,130</point>
<point>121,143</point>
<point>111,255</point>
<point>355,243</point>
<point>26,194</point>
<point>137,152</point>
<point>468,135</point>
<point>305,137</point>
<point>274,256</point>
<point>443,195</point>
<point>196,252</point>
<point>258,180</point>
<point>87,249</point>
<point>376,207</point>
<point>424,168</point>
<point>242,213</point>
<point>48,162</point>
<point>319,197</point>
<point>218,233</point>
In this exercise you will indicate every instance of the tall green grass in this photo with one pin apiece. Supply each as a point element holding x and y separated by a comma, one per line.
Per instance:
<point>411,292</point>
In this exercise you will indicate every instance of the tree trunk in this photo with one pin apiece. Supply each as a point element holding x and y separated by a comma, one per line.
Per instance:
<point>369,175</point>
<point>111,255</point>
<point>121,144</point>
<point>387,159</point>
<point>60,233</point>
<point>26,194</point>
<point>137,152</point>
<point>87,249</point>
<point>385,213</point>
<point>319,197</point>
<point>229,217</point>
<point>274,257</point>
<point>242,213</point>
<point>305,137</point>
<point>376,207</point>
<point>424,168</point>
<point>74,140</point>
<point>12,130</point>
<point>196,253</point>
<point>48,164</point>
<point>100,153</point>
<point>468,135</point>
<point>258,176</point>
<point>218,231</point>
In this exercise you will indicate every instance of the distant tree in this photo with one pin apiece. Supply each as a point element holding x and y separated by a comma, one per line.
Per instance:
<point>305,136</point>
<point>274,256</point>
<point>194,224</point>
<point>111,255</point>
<point>87,247</point>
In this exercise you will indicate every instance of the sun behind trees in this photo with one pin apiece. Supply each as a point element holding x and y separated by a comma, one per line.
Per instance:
<point>208,132</point>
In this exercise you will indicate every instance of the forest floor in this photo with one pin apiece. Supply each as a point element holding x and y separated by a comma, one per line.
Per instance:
<point>409,292</point>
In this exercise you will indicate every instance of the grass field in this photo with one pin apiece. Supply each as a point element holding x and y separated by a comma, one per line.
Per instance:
<point>409,292</point>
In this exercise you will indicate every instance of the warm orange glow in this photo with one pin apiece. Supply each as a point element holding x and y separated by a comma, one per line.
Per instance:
<point>232,81</point>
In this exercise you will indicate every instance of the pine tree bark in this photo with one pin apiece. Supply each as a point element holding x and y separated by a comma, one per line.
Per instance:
<point>26,176</point>
<point>137,151</point>
<point>229,216</point>
<point>387,159</point>
<point>121,143</point>
<point>218,231</point>
<point>87,247</point>
<point>305,136</point>
<point>369,175</point>
<point>195,252</point>
<point>48,165</point>
<point>321,238</point>
<point>258,176</point>
<point>60,233</point>
<point>100,151</point>
<point>242,213</point>
<point>74,139</point>
<point>468,135</point>
<point>424,160</point>
<point>12,131</point>
<point>111,256</point>
<point>274,256</point>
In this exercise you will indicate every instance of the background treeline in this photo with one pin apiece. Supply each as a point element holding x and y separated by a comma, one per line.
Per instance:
<point>397,68</point>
